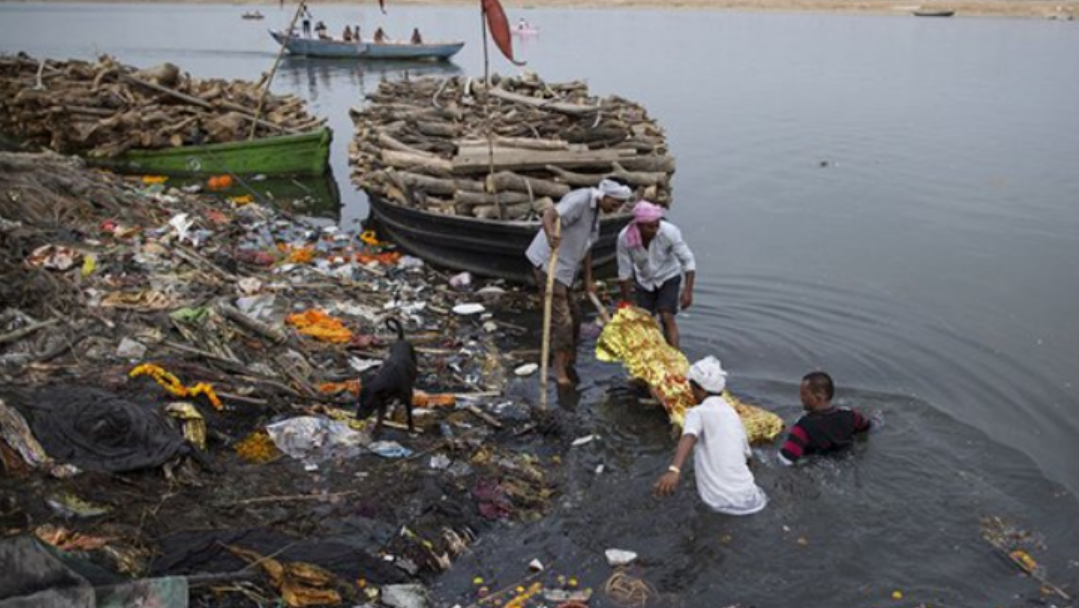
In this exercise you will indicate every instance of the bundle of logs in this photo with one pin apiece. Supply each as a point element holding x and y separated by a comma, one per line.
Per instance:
<point>459,147</point>
<point>104,109</point>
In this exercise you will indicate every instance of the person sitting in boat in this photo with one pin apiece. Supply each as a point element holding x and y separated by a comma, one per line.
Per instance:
<point>347,34</point>
<point>320,29</point>
<point>380,36</point>
<point>416,38</point>
<point>356,34</point>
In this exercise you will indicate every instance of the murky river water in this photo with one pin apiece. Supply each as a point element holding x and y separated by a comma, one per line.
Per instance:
<point>930,263</point>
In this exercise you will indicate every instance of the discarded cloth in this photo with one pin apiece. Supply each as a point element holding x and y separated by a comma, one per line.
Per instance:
<point>633,337</point>
<point>98,431</point>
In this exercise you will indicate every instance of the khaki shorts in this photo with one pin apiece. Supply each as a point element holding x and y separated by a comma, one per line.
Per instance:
<point>565,315</point>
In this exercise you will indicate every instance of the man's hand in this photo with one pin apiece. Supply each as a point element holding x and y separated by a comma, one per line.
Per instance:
<point>687,299</point>
<point>667,484</point>
<point>590,286</point>
<point>553,240</point>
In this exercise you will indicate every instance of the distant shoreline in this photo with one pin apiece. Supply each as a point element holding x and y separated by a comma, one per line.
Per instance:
<point>1041,9</point>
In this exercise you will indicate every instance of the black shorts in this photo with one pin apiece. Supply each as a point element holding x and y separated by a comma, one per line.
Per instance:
<point>663,299</point>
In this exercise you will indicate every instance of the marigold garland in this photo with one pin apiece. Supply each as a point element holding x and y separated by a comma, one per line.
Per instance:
<point>172,384</point>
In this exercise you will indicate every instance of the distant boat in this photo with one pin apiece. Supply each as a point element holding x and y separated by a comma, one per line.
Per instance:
<point>933,13</point>
<point>255,15</point>
<point>526,29</point>
<point>313,47</point>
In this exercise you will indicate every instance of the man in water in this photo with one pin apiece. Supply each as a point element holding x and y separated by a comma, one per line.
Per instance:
<point>714,432</point>
<point>578,215</point>
<point>825,429</point>
<point>652,253</point>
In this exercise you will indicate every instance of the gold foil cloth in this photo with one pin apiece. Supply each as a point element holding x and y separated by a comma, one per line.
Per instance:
<point>634,338</point>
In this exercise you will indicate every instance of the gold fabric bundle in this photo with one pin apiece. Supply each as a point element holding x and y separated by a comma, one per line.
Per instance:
<point>634,338</point>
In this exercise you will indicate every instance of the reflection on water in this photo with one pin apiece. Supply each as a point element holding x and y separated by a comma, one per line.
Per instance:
<point>319,77</point>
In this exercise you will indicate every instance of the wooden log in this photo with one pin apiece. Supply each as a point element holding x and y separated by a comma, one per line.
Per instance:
<point>509,212</point>
<point>506,180</point>
<point>438,129</point>
<point>538,159</point>
<point>407,160</point>
<point>388,141</point>
<point>273,334</point>
<point>483,198</point>
<point>572,109</point>
<point>663,164</point>
<point>436,185</point>
<point>633,178</point>
<point>525,143</point>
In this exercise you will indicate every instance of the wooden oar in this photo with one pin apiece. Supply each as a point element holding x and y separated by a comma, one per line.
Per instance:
<point>548,297</point>
<point>601,310</point>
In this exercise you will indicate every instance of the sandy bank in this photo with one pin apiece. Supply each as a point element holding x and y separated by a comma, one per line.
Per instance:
<point>1043,9</point>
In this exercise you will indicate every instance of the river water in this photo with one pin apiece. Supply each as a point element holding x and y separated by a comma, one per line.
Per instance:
<point>894,200</point>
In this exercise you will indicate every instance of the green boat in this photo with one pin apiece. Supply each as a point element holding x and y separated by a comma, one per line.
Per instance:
<point>301,154</point>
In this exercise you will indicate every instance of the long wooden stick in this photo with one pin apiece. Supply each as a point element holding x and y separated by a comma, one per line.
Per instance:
<point>273,71</point>
<point>548,299</point>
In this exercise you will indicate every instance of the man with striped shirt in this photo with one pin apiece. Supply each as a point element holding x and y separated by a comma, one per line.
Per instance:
<point>825,429</point>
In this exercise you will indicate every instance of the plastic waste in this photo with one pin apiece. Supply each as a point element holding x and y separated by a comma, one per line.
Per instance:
<point>620,557</point>
<point>404,596</point>
<point>526,370</point>
<point>408,262</point>
<point>130,349</point>
<point>469,309</point>
<point>315,439</point>
<point>461,281</point>
<point>389,449</point>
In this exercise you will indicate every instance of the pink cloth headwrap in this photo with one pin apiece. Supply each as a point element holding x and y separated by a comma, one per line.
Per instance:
<point>644,212</point>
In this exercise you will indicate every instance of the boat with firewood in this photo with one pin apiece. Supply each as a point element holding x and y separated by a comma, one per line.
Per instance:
<point>317,47</point>
<point>448,189</point>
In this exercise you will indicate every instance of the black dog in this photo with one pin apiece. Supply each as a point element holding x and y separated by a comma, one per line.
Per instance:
<point>394,381</point>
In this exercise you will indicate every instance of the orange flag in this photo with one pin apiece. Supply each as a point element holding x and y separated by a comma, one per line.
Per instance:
<point>499,27</point>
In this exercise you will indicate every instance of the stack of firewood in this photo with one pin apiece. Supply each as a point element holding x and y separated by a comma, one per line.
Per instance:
<point>104,109</point>
<point>459,147</point>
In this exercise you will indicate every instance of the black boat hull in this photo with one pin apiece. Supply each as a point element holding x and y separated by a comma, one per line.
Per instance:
<point>484,247</point>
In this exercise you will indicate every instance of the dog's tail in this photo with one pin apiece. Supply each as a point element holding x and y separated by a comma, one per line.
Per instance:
<point>395,325</point>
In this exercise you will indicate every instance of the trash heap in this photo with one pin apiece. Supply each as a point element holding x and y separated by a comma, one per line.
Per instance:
<point>423,143</point>
<point>179,373</point>
<point>105,108</point>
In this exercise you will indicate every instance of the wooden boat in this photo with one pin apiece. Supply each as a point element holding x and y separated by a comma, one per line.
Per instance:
<point>252,16</point>
<point>490,248</point>
<point>313,47</point>
<point>933,13</point>
<point>300,154</point>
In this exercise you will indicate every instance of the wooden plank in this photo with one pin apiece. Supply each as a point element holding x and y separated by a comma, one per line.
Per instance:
<point>528,160</point>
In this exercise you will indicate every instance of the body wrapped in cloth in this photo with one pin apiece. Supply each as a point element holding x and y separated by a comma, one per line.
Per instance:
<point>633,337</point>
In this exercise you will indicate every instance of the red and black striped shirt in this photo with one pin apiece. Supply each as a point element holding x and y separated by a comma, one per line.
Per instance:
<point>822,432</point>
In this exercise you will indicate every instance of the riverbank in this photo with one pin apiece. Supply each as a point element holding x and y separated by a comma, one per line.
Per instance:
<point>1042,9</point>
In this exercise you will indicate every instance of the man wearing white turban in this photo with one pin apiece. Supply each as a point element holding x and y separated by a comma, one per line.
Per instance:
<point>714,432</point>
<point>578,216</point>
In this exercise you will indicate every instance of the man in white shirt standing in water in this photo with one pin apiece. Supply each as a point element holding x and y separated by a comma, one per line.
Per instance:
<point>714,432</point>
<point>654,256</point>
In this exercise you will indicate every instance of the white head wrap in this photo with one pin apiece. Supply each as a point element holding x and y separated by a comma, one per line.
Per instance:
<point>613,189</point>
<point>709,374</point>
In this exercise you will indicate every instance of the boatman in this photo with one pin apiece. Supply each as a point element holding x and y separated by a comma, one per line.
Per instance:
<point>416,38</point>
<point>652,254</point>
<point>578,214</point>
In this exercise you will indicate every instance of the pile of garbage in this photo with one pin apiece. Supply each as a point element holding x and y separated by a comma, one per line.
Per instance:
<point>105,108</point>
<point>180,372</point>
<point>460,147</point>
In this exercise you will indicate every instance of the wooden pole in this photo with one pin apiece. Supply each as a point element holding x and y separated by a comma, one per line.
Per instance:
<point>489,182</point>
<point>548,299</point>
<point>277,61</point>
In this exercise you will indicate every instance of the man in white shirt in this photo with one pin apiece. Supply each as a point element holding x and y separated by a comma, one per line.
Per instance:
<point>714,432</point>
<point>578,215</point>
<point>652,253</point>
